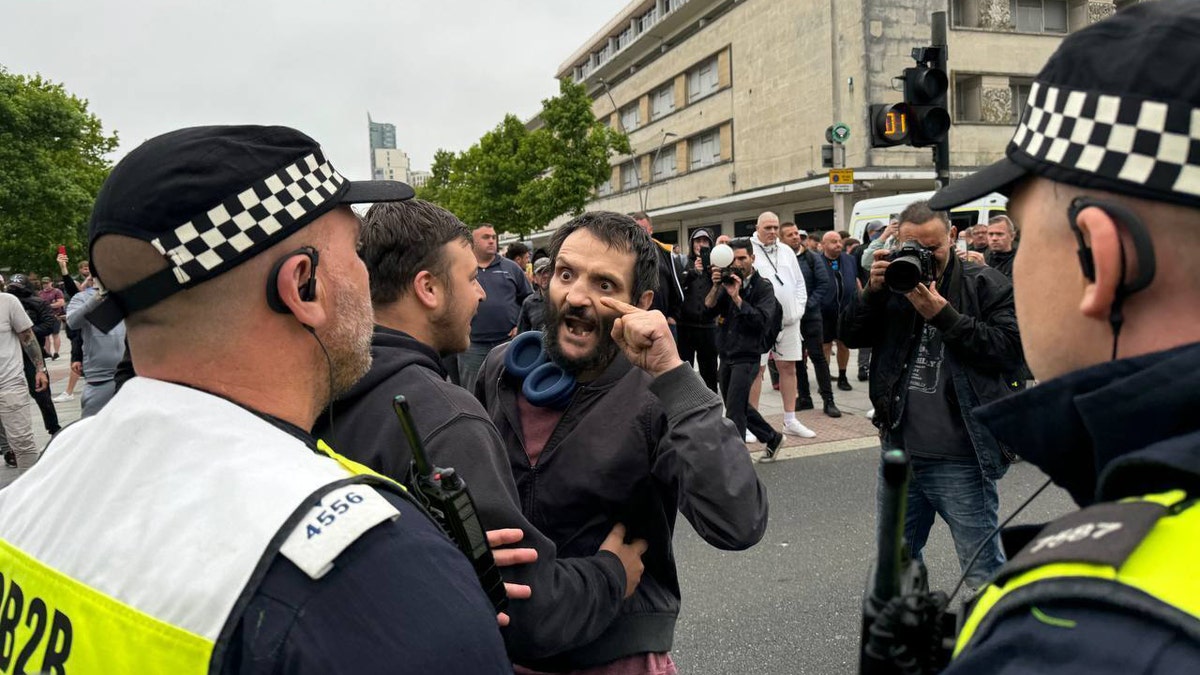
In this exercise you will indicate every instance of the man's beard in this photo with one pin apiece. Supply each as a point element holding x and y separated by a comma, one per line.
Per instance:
<point>601,355</point>
<point>348,339</point>
<point>449,337</point>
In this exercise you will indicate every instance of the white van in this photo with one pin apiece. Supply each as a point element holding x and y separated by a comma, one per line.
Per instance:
<point>884,209</point>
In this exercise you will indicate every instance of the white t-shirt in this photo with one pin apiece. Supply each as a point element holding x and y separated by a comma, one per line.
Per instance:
<point>13,320</point>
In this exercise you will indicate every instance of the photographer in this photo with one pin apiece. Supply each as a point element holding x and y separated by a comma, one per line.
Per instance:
<point>943,334</point>
<point>747,305</point>
<point>697,328</point>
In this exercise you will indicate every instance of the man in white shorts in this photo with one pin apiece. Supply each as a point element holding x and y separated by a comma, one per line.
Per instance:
<point>778,265</point>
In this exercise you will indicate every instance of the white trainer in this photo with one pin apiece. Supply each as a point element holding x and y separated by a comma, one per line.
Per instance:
<point>63,397</point>
<point>871,414</point>
<point>751,438</point>
<point>795,428</point>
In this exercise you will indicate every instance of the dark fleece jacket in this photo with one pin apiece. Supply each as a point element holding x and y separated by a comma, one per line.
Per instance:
<point>574,600</point>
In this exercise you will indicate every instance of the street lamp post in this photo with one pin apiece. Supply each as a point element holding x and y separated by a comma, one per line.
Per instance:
<point>653,162</point>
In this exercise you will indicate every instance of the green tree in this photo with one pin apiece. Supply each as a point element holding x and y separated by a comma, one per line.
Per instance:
<point>576,147</point>
<point>519,180</point>
<point>52,163</point>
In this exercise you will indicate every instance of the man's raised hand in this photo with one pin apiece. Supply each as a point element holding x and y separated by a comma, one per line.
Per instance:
<point>645,337</point>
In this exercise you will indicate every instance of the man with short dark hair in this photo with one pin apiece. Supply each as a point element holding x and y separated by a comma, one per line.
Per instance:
<point>424,291</point>
<point>939,351</point>
<point>194,525</point>
<point>617,428</point>
<point>1001,237</point>
<point>506,287</point>
<point>747,306</point>
<point>1108,297</point>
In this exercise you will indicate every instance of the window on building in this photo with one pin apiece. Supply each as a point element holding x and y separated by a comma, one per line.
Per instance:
<point>968,98</point>
<point>673,5</point>
<point>965,13</point>
<point>629,177</point>
<point>625,38</point>
<point>662,101</point>
<point>702,80</point>
<point>705,149</point>
<point>664,163</point>
<point>1020,96</point>
<point>605,188</point>
<point>648,19</point>
<point>631,116</point>
<point>1039,16</point>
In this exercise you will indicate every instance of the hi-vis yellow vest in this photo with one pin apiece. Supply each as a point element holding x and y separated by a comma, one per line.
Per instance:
<point>136,542</point>
<point>1138,553</point>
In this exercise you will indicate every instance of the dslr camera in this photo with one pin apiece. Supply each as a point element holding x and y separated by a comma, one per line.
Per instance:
<point>911,264</point>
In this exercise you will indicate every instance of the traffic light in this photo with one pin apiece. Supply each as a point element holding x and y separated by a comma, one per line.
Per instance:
<point>889,125</point>
<point>925,88</point>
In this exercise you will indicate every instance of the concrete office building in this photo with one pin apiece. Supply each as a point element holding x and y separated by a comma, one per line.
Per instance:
<point>418,178</point>
<point>387,163</point>
<point>726,102</point>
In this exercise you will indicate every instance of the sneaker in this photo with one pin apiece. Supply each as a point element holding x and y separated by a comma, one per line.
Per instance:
<point>804,403</point>
<point>63,397</point>
<point>10,459</point>
<point>871,414</point>
<point>844,384</point>
<point>831,408</point>
<point>751,438</point>
<point>772,449</point>
<point>864,374</point>
<point>795,428</point>
<point>54,357</point>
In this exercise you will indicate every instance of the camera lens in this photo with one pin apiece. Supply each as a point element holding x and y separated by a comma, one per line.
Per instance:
<point>903,274</point>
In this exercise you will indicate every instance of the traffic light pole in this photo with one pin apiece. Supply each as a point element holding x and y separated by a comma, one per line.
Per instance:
<point>941,151</point>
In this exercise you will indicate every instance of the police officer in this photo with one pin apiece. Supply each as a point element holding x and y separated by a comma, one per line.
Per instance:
<point>192,525</point>
<point>1104,175</point>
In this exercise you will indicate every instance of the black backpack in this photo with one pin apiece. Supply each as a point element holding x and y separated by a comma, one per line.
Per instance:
<point>774,327</point>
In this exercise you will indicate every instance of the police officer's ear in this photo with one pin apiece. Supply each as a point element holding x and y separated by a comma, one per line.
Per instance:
<point>428,289</point>
<point>1100,261</point>
<point>292,287</point>
<point>646,300</point>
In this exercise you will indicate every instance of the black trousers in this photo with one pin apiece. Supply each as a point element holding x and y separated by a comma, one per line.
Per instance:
<point>42,398</point>
<point>812,335</point>
<point>736,379</point>
<point>700,343</point>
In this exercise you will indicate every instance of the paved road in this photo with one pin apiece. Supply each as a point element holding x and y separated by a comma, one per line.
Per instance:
<point>792,603</point>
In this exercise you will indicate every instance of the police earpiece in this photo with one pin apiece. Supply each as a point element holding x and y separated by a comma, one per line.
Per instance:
<point>1142,246</point>
<point>307,290</point>
<point>544,383</point>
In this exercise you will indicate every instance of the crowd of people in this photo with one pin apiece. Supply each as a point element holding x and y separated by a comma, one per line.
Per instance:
<point>246,502</point>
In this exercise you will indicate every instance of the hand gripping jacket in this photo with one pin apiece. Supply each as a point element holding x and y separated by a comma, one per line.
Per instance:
<point>135,544</point>
<point>1138,553</point>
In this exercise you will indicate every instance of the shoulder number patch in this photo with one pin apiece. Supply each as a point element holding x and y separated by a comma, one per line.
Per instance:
<point>341,517</point>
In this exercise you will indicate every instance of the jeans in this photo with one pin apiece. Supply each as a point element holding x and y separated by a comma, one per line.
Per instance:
<point>700,343</point>
<point>469,363</point>
<point>18,426</point>
<point>967,500</point>
<point>95,397</point>
<point>812,335</point>
<point>736,379</point>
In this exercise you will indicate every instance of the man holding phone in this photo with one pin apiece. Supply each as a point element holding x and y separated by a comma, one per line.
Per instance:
<point>697,325</point>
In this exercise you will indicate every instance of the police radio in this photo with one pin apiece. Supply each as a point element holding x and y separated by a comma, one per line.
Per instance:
<point>444,494</point>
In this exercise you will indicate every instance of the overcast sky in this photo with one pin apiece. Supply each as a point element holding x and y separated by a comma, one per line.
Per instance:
<point>442,71</point>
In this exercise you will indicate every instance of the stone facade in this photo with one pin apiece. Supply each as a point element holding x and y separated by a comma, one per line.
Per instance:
<point>997,105</point>
<point>995,14</point>
<point>1099,11</point>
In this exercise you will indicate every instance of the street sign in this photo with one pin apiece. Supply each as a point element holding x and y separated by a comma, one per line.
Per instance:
<point>841,180</point>
<point>839,132</point>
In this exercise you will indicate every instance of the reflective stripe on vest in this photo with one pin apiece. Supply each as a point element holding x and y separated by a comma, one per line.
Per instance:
<point>1162,567</point>
<point>136,542</point>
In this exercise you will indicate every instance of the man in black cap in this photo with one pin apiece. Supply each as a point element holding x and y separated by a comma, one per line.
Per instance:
<point>697,325</point>
<point>193,525</point>
<point>1104,171</point>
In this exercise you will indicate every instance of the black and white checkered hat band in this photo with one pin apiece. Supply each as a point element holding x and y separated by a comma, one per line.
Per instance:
<point>1150,143</point>
<point>220,236</point>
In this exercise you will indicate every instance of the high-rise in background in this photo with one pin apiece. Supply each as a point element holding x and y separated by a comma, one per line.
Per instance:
<point>387,162</point>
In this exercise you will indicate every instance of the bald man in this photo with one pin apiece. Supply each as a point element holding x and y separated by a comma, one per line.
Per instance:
<point>777,263</point>
<point>843,271</point>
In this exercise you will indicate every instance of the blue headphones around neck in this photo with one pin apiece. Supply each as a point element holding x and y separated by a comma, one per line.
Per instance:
<point>546,385</point>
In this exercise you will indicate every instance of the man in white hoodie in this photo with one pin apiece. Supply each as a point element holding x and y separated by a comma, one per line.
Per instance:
<point>779,266</point>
